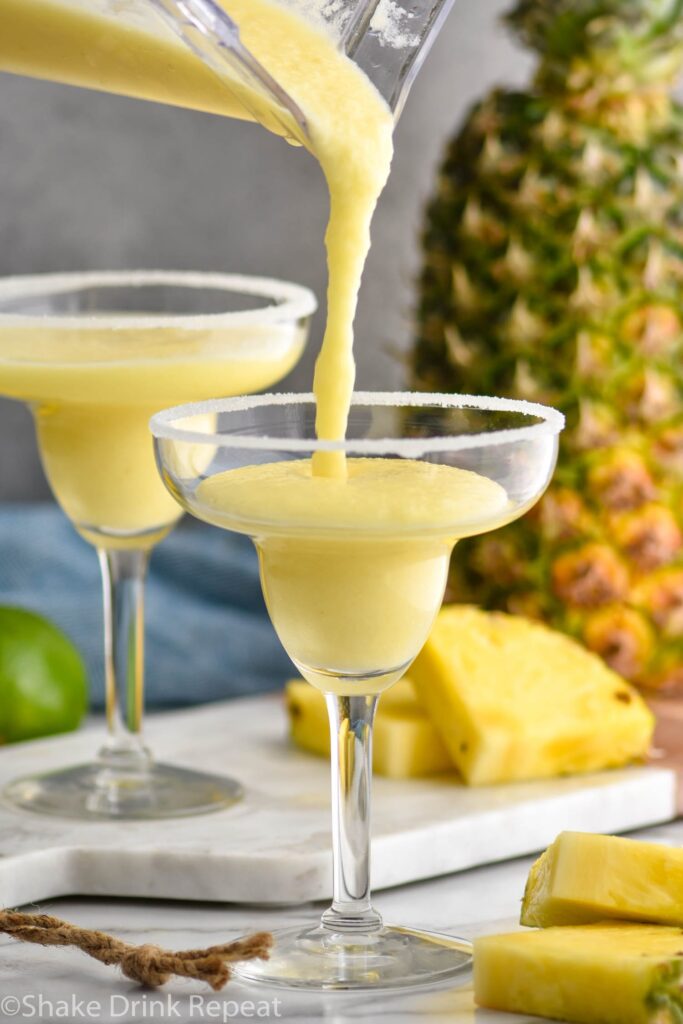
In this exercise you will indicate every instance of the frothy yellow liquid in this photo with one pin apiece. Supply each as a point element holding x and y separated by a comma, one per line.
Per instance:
<point>93,391</point>
<point>349,130</point>
<point>353,570</point>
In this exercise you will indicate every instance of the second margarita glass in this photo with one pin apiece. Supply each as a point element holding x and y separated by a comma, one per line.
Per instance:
<point>95,355</point>
<point>353,568</point>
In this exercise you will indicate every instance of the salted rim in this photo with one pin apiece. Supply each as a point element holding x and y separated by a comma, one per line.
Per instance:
<point>293,301</point>
<point>553,422</point>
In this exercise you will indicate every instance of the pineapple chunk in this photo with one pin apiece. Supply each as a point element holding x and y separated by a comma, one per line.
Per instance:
<point>513,699</point>
<point>593,974</point>
<point>405,743</point>
<point>583,878</point>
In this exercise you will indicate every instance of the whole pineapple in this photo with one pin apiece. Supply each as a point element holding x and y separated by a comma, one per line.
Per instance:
<point>554,271</point>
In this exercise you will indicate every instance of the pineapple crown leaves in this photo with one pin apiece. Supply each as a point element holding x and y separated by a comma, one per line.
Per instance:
<point>641,37</point>
<point>665,997</point>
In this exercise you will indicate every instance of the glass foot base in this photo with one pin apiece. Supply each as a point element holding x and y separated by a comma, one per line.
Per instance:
<point>392,957</point>
<point>95,792</point>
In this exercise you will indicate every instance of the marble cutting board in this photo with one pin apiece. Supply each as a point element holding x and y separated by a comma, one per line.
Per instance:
<point>274,846</point>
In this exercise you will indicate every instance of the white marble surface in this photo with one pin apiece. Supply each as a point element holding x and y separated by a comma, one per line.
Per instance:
<point>478,901</point>
<point>274,846</point>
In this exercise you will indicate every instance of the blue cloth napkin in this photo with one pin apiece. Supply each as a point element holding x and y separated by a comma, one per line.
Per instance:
<point>208,633</point>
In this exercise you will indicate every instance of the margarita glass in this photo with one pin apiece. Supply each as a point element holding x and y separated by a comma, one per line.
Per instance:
<point>94,355</point>
<point>353,570</point>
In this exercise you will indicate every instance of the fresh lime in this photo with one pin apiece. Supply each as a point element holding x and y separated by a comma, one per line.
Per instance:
<point>43,682</point>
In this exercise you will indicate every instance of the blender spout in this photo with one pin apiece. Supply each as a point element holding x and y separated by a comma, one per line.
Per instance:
<point>208,30</point>
<point>388,40</point>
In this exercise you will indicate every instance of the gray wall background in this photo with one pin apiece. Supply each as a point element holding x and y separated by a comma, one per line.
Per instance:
<point>90,181</point>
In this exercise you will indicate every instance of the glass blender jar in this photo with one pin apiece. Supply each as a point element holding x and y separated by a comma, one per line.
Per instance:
<point>188,52</point>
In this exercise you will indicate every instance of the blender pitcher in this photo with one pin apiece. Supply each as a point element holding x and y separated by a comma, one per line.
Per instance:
<point>71,41</point>
<point>387,39</point>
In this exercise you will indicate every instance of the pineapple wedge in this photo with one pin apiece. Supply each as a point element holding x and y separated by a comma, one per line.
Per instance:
<point>405,743</point>
<point>585,878</point>
<point>592,974</point>
<point>513,699</point>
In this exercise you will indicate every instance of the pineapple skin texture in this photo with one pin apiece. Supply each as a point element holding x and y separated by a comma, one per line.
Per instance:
<point>583,878</point>
<point>405,743</point>
<point>592,974</point>
<point>512,700</point>
<point>552,272</point>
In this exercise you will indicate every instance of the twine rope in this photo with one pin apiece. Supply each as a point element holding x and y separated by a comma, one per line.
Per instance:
<point>149,965</point>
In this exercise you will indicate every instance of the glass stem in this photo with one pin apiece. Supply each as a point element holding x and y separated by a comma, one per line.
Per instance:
<point>351,721</point>
<point>123,583</point>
